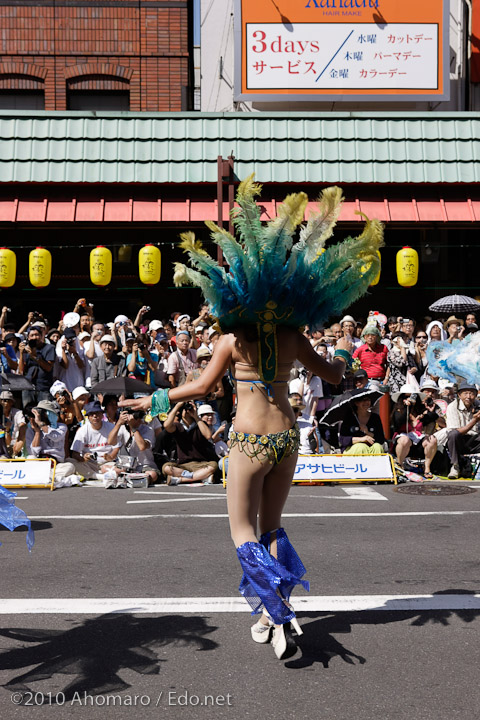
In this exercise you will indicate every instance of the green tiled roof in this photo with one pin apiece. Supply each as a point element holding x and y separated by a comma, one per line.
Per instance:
<point>85,147</point>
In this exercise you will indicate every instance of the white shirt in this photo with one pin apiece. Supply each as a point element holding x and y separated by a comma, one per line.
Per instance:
<point>305,425</point>
<point>17,419</point>
<point>72,376</point>
<point>144,457</point>
<point>52,442</point>
<point>88,440</point>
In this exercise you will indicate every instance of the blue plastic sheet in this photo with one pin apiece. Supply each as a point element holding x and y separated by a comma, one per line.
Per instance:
<point>12,517</point>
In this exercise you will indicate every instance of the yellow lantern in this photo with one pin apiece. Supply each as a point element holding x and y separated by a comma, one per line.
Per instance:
<point>149,265</point>
<point>8,267</point>
<point>407,267</point>
<point>40,267</point>
<point>366,268</point>
<point>100,266</point>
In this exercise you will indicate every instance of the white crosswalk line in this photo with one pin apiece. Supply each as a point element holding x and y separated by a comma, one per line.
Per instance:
<point>363,493</point>
<point>189,605</point>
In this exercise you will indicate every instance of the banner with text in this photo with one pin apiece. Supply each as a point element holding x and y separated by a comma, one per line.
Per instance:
<point>339,50</point>
<point>344,468</point>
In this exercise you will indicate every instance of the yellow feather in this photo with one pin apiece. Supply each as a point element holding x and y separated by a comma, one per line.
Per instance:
<point>294,207</point>
<point>216,229</point>
<point>248,188</point>
<point>180,276</point>
<point>189,244</point>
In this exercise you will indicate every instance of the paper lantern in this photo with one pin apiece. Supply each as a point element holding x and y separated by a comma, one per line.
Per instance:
<point>100,266</point>
<point>8,267</point>
<point>365,268</point>
<point>149,265</point>
<point>40,267</point>
<point>407,267</point>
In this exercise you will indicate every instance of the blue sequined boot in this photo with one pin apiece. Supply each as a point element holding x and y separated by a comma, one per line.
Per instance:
<point>288,557</point>
<point>263,576</point>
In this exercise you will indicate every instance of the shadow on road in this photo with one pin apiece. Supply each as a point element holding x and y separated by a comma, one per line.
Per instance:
<point>318,644</point>
<point>98,649</point>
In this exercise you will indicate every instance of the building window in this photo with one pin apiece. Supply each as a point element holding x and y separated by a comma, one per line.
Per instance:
<point>22,100</point>
<point>100,100</point>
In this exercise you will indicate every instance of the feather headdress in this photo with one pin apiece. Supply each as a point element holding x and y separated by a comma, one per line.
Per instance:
<point>299,283</point>
<point>456,361</point>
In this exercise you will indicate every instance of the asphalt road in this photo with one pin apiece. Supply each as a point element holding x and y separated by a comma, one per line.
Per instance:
<point>391,626</point>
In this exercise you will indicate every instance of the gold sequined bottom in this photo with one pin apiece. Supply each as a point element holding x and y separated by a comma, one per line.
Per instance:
<point>274,447</point>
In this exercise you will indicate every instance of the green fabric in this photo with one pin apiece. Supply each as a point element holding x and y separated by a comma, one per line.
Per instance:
<point>364,449</point>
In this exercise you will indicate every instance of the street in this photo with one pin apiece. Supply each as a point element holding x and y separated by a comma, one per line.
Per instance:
<point>129,600</point>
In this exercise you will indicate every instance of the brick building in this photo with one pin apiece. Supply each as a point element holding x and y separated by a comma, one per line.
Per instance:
<point>96,55</point>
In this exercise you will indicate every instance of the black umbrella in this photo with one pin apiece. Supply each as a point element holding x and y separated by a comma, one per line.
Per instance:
<point>341,405</point>
<point>121,386</point>
<point>455,304</point>
<point>15,383</point>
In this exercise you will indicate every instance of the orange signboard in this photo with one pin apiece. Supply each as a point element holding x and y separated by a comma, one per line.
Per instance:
<point>341,50</point>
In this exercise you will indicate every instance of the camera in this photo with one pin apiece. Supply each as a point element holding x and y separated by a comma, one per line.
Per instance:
<point>147,308</point>
<point>429,402</point>
<point>141,346</point>
<point>476,404</point>
<point>71,341</point>
<point>37,315</point>
<point>32,343</point>
<point>413,398</point>
<point>94,456</point>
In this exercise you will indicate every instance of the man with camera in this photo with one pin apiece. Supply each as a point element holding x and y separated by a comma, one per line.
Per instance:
<point>196,457</point>
<point>463,427</point>
<point>36,362</point>
<point>72,359</point>
<point>109,365</point>
<point>92,453</point>
<point>136,440</point>
<point>140,362</point>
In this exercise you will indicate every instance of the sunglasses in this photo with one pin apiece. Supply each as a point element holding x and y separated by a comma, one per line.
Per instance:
<point>421,337</point>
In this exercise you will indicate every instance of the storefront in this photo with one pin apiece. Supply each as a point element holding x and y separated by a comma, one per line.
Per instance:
<point>70,181</point>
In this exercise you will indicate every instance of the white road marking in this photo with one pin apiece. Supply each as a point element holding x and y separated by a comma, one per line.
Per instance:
<point>363,493</point>
<point>188,605</point>
<point>224,515</point>
<point>178,492</point>
<point>190,499</point>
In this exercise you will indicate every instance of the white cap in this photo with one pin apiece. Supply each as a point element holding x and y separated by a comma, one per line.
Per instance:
<point>182,317</point>
<point>429,384</point>
<point>80,390</point>
<point>155,325</point>
<point>347,318</point>
<point>71,319</point>
<point>204,409</point>
<point>83,335</point>
<point>121,318</point>
<point>212,331</point>
<point>57,387</point>
<point>107,338</point>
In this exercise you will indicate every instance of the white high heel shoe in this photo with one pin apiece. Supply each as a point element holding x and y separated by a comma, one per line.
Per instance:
<point>283,642</point>
<point>261,632</point>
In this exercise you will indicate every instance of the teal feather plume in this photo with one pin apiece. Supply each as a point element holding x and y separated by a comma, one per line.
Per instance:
<point>306,282</point>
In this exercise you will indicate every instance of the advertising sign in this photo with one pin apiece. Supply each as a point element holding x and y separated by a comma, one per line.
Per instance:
<point>341,50</point>
<point>34,473</point>
<point>344,468</point>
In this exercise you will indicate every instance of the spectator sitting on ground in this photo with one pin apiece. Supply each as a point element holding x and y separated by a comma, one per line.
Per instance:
<point>208,415</point>
<point>50,438</point>
<point>361,432</point>
<point>136,440</point>
<point>463,427</point>
<point>196,459</point>
<point>80,397</point>
<point>410,416</point>
<point>69,413</point>
<point>433,401</point>
<point>108,366</point>
<point>14,424</point>
<point>110,406</point>
<point>92,454</point>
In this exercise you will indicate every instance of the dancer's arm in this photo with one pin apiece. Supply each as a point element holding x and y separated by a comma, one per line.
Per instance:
<point>333,371</point>
<point>200,387</point>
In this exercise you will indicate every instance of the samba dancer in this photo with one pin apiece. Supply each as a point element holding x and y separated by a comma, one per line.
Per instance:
<point>259,305</point>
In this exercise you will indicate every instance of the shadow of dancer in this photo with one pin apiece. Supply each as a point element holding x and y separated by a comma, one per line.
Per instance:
<point>318,644</point>
<point>98,649</point>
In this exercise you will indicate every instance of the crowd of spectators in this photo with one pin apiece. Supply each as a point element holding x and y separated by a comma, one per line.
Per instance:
<point>50,410</point>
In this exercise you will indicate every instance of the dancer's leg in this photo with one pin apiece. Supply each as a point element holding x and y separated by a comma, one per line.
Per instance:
<point>244,489</point>
<point>275,491</point>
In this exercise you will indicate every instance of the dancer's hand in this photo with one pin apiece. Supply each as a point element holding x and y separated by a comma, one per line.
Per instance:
<point>344,344</point>
<point>143,403</point>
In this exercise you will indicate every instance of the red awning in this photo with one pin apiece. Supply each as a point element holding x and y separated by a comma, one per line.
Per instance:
<point>189,210</point>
